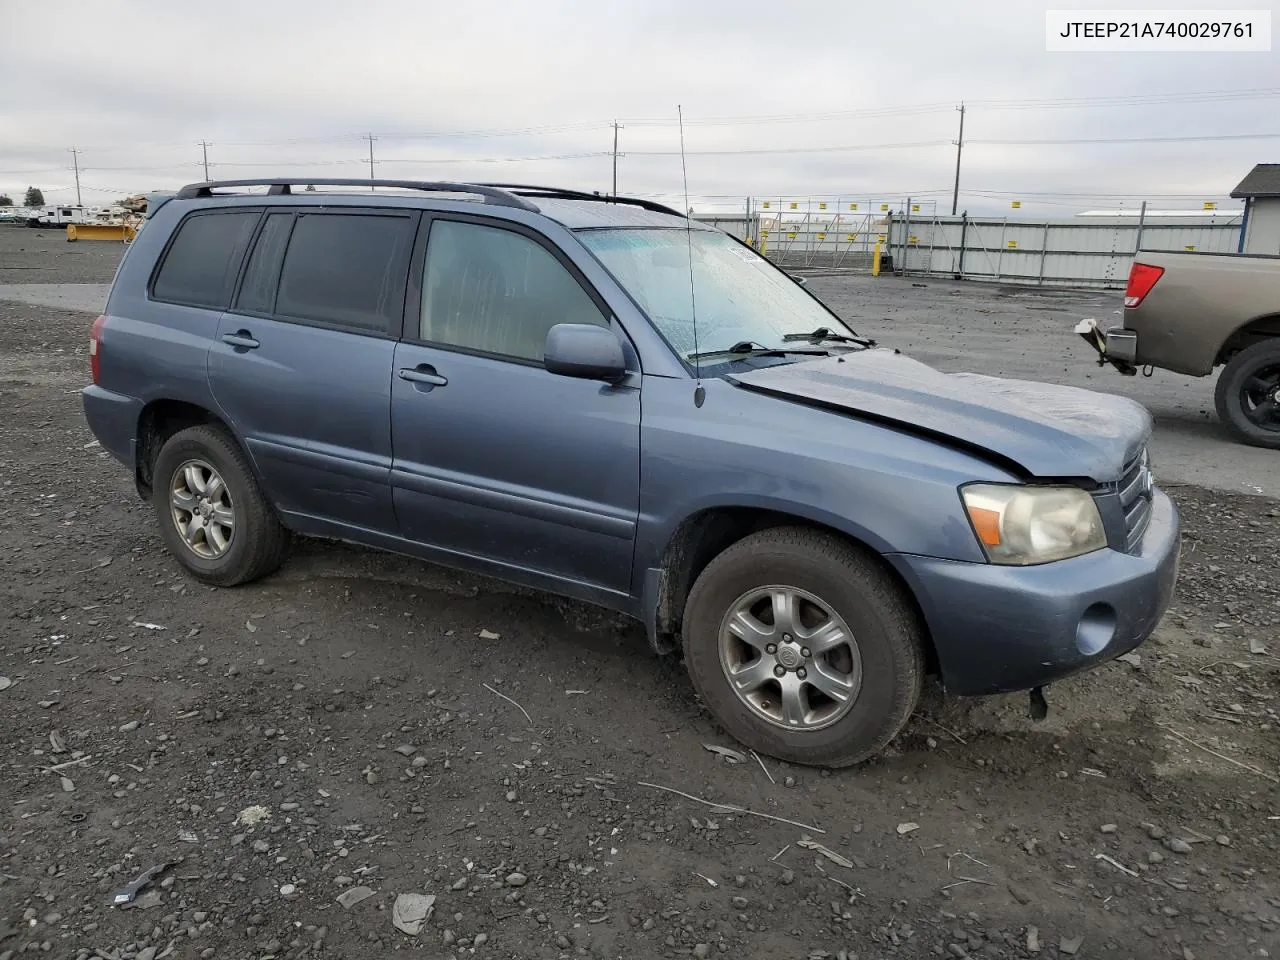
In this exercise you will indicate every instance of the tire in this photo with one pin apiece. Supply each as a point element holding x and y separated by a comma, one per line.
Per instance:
<point>888,636</point>
<point>1249,381</point>
<point>256,543</point>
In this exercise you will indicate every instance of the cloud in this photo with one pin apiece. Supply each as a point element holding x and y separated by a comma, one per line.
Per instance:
<point>287,87</point>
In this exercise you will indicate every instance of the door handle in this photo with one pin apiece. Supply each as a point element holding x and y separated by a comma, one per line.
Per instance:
<point>242,339</point>
<point>423,373</point>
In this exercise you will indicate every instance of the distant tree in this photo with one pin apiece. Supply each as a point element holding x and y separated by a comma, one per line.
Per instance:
<point>5,200</point>
<point>34,198</point>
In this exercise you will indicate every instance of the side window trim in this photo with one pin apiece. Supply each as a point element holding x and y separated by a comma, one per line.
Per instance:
<point>395,320</point>
<point>173,236</point>
<point>261,228</point>
<point>417,277</point>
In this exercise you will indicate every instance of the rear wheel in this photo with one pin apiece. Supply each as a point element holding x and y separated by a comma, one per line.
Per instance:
<point>804,648</point>
<point>1247,395</point>
<point>213,515</point>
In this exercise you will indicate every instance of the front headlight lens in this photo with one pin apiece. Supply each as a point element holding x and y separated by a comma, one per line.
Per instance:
<point>1022,525</point>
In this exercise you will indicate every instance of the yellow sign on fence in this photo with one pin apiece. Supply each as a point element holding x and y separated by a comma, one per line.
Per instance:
<point>822,236</point>
<point>853,206</point>
<point>765,204</point>
<point>1017,204</point>
<point>1210,205</point>
<point>822,205</point>
<point>795,206</point>
<point>915,208</point>
<point>913,239</point>
<point>1190,248</point>
<point>1012,244</point>
<point>850,238</point>
<point>884,208</point>
<point>881,239</point>
<point>791,236</point>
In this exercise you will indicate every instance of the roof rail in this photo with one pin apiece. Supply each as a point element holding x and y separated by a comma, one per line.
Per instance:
<point>559,193</point>
<point>281,186</point>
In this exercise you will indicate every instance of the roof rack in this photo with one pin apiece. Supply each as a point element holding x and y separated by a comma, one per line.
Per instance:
<point>279,186</point>
<point>559,193</point>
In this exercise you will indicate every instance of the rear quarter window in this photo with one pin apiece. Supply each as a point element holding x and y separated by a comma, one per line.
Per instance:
<point>199,268</point>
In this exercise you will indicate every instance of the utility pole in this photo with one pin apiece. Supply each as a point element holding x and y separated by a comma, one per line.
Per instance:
<point>204,157</point>
<point>615,158</point>
<point>370,137</point>
<point>75,160</point>
<point>955,191</point>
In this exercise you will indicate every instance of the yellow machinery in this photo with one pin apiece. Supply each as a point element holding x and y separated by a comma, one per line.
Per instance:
<point>124,232</point>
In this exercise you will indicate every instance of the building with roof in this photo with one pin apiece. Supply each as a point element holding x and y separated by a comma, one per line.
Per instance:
<point>1260,191</point>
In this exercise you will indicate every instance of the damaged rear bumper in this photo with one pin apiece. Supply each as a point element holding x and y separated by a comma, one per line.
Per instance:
<point>998,629</point>
<point>1117,346</point>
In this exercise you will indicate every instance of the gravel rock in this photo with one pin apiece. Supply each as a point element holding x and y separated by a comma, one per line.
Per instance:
<point>350,897</point>
<point>516,879</point>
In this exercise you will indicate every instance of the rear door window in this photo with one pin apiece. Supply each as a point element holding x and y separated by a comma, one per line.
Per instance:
<point>347,270</point>
<point>200,266</point>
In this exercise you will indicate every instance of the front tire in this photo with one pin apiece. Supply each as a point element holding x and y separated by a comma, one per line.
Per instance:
<point>1247,395</point>
<point>213,515</point>
<point>804,648</point>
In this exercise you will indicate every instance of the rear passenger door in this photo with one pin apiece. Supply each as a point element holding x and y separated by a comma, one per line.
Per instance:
<point>302,362</point>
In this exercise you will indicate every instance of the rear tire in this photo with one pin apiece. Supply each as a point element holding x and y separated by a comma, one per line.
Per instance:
<point>833,586</point>
<point>1247,395</point>
<point>213,515</point>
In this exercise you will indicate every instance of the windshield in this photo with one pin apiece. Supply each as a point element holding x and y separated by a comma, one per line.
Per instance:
<point>741,297</point>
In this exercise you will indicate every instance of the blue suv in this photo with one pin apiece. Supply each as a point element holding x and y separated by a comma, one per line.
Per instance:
<point>599,397</point>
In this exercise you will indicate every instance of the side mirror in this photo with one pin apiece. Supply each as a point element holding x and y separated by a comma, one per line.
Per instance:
<point>585,351</point>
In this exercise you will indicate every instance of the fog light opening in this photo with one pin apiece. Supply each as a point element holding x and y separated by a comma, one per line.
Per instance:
<point>1097,628</point>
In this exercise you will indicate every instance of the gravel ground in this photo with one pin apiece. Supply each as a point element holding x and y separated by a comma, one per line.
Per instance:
<point>300,753</point>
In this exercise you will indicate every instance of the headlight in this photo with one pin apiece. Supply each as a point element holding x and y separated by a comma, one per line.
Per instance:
<point>1020,525</point>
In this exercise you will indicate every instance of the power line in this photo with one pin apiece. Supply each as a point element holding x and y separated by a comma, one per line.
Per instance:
<point>1201,138</point>
<point>903,110</point>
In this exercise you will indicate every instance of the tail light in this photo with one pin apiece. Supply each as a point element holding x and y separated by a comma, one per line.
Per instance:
<point>95,349</point>
<point>1142,277</point>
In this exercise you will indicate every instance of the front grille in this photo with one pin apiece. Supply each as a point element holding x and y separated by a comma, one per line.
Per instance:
<point>1135,499</point>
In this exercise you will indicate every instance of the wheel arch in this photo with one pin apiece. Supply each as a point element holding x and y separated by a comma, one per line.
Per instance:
<point>159,420</point>
<point>1246,335</point>
<point>701,536</point>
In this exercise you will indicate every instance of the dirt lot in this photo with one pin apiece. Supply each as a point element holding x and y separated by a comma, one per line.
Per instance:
<point>345,727</point>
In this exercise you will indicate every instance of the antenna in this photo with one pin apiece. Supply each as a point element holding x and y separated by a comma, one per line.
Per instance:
<point>693,298</point>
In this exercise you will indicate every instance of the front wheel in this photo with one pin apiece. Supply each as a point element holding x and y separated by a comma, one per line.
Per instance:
<point>804,648</point>
<point>1247,395</point>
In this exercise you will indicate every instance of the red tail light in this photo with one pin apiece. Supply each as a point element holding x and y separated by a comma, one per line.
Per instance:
<point>1142,277</point>
<point>95,349</point>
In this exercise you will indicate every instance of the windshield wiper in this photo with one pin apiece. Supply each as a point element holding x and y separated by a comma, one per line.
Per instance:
<point>827,335</point>
<point>747,348</point>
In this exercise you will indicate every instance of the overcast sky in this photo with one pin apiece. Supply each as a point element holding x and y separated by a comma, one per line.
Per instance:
<point>287,87</point>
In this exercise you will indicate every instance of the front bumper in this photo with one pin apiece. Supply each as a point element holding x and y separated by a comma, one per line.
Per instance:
<point>998,629</point>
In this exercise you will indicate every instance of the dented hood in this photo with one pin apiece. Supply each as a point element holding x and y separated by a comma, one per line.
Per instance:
<point>1047,430</point>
